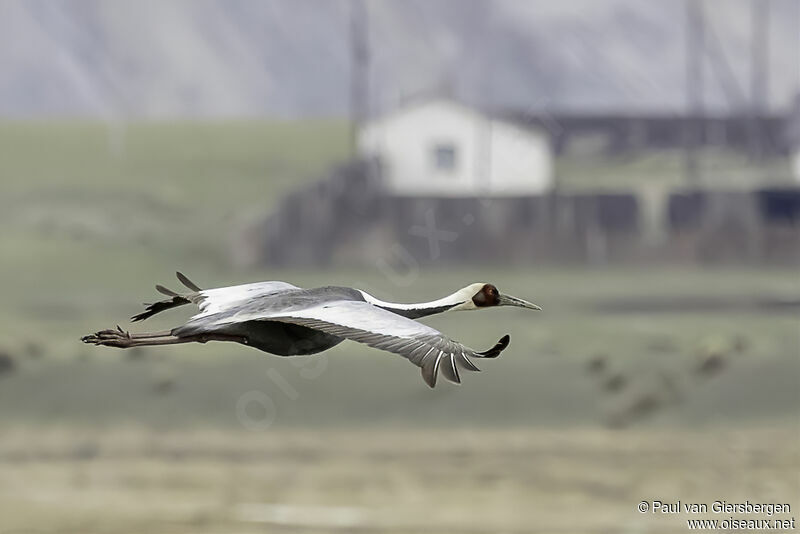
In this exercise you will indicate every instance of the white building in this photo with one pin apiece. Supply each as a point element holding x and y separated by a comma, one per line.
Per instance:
<point>439,147</point>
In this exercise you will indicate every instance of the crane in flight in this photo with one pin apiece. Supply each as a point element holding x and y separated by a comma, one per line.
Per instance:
<point>286,320</point>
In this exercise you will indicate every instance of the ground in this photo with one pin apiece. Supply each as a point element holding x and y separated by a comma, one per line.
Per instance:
<point>385,480</point>
<point>633,383</point>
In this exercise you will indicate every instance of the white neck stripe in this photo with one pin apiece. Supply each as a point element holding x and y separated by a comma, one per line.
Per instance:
<point>461,300</point>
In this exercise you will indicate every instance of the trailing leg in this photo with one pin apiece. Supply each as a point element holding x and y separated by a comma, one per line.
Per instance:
<point>123,340</point>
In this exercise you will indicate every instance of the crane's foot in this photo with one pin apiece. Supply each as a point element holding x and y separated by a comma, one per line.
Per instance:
<point>110,338</point>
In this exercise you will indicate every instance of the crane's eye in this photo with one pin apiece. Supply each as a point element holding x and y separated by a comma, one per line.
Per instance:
<point>487,296</point>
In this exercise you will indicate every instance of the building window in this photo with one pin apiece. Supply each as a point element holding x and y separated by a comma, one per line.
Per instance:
<point>444,157</point>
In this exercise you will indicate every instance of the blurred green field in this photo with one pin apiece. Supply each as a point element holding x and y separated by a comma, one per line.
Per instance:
<point>545,367</point>
<point>92,216</point>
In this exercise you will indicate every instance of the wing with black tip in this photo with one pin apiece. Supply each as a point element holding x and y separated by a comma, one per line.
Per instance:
<point>359,321</point>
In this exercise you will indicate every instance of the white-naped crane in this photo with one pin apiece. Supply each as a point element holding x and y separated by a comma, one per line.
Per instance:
<point>286,320</point>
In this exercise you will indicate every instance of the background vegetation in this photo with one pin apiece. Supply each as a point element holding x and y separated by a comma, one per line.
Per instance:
<point>633,383</point>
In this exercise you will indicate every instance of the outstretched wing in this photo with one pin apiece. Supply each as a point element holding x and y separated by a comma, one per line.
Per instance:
<point>360,321</point>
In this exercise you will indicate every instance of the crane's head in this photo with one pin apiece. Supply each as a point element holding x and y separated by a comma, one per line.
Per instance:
<point>487,295</point>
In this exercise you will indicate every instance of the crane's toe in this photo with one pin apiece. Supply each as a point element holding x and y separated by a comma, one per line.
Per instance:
<point>107,337</point>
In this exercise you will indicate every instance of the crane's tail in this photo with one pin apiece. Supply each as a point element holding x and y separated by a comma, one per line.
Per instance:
<point>161,305</point>
<point>173,302</point>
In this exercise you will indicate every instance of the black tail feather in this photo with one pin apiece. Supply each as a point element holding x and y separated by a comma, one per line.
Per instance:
<point>166,291</point>
<point>175,300</point>
<point>188,283</point>
<point>160,306</point>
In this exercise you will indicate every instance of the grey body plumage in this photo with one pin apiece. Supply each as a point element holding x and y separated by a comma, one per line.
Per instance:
<point>280,338</point>
<point>285,320</point>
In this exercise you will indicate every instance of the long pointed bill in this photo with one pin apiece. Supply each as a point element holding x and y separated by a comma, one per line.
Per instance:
<point>507,300</point>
